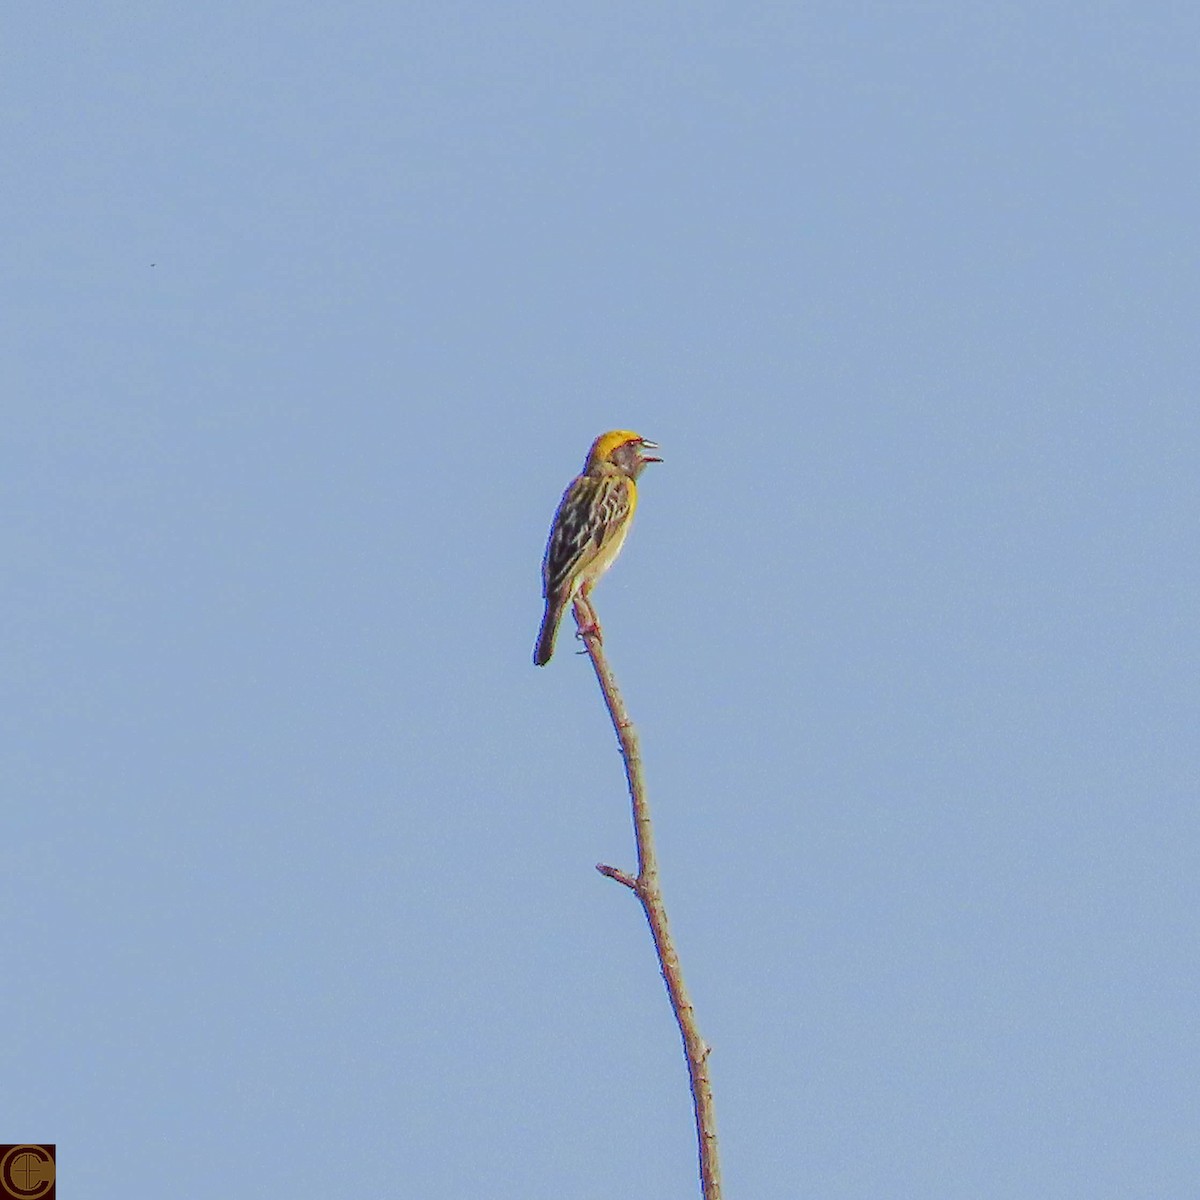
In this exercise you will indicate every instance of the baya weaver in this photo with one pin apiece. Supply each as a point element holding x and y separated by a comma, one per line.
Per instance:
<point>589,527</point>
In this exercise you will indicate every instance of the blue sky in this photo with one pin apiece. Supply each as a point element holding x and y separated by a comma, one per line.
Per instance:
<point>311,317</point>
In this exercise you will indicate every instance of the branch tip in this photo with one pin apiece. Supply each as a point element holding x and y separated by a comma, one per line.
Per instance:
<point>618,875</point>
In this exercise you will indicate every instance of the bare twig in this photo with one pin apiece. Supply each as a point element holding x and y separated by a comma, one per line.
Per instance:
<point>645,886</point>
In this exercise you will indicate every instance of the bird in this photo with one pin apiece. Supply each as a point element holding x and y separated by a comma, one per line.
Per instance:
<point>589,527</point>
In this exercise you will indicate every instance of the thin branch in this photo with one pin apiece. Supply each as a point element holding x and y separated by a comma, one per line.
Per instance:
<point>646,887</point>
<point>619,876</point>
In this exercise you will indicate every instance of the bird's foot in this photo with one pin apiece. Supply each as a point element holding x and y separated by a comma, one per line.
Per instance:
<point>589,629</point>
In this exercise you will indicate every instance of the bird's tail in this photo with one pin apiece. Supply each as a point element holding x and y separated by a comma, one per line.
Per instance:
<point>544,649</point>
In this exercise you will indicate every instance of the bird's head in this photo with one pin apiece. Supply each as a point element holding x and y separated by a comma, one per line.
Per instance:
<point>623,449</point>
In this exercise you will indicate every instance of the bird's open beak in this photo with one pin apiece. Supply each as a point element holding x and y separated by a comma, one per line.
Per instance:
<point>643,445</point>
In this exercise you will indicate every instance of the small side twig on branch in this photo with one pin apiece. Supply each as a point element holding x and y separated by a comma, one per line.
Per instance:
<point>646,887</point>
